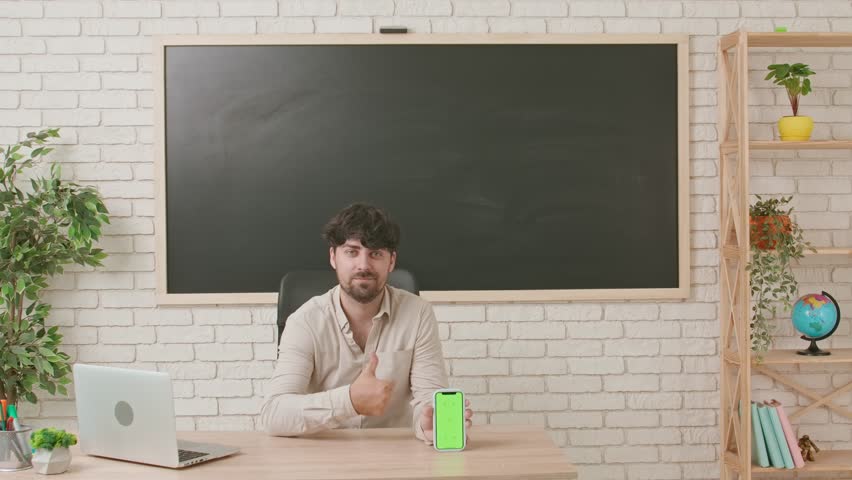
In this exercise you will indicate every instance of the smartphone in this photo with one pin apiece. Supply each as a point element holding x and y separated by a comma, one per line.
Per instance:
<point>448,420</point>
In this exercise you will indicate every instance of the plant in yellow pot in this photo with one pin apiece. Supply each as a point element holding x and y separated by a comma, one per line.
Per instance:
<point>794,79</point>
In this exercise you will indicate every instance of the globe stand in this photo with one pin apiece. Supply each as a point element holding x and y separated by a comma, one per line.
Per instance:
<point>813,350</point>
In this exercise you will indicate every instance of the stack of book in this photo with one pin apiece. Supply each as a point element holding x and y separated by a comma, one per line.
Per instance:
<point>774,443</point>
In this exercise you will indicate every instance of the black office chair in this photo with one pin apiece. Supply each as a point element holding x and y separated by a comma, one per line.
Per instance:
<point>299,286</point>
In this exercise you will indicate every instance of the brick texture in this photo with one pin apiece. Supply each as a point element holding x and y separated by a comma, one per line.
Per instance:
<point>629,389</point>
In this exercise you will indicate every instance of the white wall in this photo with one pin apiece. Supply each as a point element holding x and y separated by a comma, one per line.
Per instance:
<point>629,389</point>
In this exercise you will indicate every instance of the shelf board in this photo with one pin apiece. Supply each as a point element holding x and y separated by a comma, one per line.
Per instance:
<point>789,357</point>
<point>801,39</point>
<point>826,461</point>
<point>731,146</point>
<point>788,39</point>
<point>809,145</point>
<point>830,251</point>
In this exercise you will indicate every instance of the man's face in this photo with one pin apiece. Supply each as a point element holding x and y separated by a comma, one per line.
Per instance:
<point>362,272</point>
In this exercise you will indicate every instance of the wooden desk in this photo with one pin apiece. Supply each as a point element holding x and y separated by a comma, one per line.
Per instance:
<point>495,451</point>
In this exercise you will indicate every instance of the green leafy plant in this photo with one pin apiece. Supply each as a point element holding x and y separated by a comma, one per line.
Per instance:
<point>793,78</point>
<point>775,242</point>
<point>50,438</point>
<point>51,224</point>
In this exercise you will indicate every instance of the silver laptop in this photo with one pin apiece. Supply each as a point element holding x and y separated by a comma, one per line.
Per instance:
<point>129,415</point>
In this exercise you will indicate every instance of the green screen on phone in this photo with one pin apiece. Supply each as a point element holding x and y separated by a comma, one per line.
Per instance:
<point>449,421</point>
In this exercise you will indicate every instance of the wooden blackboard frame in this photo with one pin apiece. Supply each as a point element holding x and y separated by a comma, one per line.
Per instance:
<point>463,296</point>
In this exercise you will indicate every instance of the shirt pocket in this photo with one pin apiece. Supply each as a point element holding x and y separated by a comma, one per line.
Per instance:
<point>395,365</point>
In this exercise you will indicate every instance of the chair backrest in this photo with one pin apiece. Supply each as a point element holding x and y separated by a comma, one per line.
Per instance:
<point>299,286</point>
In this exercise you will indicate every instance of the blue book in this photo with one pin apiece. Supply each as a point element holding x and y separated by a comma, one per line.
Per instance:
<point>769,434</point>
<point>758,443</point>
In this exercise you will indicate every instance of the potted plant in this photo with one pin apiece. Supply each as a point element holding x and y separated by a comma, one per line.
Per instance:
<point>51,450</point>
<point>775,241</point>
<point>794,79</point>
<point>45,223</point>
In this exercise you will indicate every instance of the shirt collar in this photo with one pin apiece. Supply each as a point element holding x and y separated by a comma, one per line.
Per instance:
<point>384,308</point>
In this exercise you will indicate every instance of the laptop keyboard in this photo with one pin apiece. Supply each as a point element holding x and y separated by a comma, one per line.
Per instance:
<point>184,455</point>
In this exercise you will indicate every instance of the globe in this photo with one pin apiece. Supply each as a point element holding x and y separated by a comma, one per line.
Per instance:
<point>816,316</point>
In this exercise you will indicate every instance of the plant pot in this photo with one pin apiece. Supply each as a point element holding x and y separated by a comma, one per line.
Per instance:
<point>795,128</point>
<point>49,462</point>
<point>757,229</point>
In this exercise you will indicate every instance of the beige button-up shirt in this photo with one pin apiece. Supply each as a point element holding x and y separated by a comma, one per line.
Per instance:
<point>318,360</point>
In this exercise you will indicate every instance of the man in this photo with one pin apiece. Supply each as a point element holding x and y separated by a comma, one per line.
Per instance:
<point>364,354</point>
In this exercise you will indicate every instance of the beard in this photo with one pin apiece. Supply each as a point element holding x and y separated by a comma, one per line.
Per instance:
<point>363,292</point>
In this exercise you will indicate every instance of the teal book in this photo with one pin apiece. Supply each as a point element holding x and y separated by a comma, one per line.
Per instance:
<point>769,434</point>
<point>758,444</point>
<point>780,437</point>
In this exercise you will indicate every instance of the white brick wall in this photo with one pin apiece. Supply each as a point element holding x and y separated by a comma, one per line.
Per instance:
<point>629,389</point>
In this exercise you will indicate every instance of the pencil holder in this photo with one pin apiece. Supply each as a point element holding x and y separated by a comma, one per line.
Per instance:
<point>15,451</point>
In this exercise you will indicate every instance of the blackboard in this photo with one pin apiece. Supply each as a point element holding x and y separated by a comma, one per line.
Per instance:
<point>507,166</point>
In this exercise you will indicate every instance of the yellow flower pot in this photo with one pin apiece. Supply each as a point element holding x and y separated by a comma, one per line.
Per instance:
<point>796,128</point>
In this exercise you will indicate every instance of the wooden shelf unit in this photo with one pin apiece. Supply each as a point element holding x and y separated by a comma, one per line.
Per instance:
<point>737,363</point>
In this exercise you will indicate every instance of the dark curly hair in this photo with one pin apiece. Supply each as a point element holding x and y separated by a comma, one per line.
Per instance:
<point>371,225</point>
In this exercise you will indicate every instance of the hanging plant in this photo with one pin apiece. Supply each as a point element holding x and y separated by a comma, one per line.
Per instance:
<point>776,241</point>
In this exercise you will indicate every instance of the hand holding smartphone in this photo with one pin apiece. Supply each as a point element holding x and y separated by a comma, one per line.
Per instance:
<point>448,420</point>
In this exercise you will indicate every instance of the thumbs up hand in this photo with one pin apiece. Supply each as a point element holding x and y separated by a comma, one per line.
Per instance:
<point>370,396</point>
